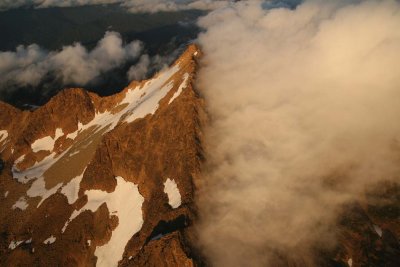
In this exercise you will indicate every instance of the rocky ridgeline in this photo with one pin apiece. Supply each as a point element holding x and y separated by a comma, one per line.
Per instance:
<point>91,180</point>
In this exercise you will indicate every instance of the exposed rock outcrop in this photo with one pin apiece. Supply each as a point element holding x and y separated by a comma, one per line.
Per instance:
<point>84,177</point>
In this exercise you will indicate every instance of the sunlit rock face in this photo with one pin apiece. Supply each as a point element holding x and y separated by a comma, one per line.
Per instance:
<point>83,177</point>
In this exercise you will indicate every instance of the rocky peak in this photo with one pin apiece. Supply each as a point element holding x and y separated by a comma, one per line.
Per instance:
<point>103,181</point>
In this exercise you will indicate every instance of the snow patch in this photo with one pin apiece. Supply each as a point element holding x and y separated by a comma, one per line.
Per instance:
<point>3,135</point>
<point>378,230</point>
<point>144,101</point>
<point>126,202</point>
<point>49,240</point>
<point>74,153</point>
<point>6,194</point>
<point>20,204</point>
<point>59,133</point>
<point>38,189</point>
<point>172,190</point>
<point>73,135</point>
<point>71,189</point>
<point>36,171</point>
<point>47,142</point>
<point>350,262</point>
<point>19,160</point>
<point>15,244</point>
<point>183,85</point>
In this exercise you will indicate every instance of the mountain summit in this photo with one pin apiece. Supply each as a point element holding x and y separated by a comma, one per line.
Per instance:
<point>103,181</point>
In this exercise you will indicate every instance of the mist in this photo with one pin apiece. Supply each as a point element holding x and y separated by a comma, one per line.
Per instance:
<point>304,107</point>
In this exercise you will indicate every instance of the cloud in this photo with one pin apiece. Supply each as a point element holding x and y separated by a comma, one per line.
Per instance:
<point>73,64</point>
<point>10,4</point>
<point>146,66</point>
<point>135,6</point>
<point>304,117</point>
<point>139,71</point>
<point>153,6</point>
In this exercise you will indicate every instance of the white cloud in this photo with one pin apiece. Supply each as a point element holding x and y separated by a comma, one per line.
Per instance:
<point>304,108</point>
<point>72,64</point>
<point>133,5</point>
<point>153,6</point>
<point>9,4</point>
<point>139,71</point>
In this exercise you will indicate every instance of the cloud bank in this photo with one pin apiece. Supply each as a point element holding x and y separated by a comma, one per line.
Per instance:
<point>304,107</point>
<point>135,6</point>
<point>74,64</point>
<point>10,4</point>
<point>153,6</point>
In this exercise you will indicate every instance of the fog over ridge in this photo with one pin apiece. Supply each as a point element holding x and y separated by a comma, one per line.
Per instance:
<point>304,117</point>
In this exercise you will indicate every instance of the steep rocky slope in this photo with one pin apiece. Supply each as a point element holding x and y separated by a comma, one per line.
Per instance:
<point>91,181</point>
<point>106,181</point>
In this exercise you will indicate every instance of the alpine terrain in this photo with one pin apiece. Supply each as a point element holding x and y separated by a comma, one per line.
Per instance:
<point>91,181</point>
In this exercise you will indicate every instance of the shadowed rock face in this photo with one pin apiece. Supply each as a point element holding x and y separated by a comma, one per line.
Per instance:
<point>83,182</point>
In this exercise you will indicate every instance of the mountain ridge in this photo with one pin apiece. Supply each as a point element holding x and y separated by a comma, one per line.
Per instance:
<point>63,171</point>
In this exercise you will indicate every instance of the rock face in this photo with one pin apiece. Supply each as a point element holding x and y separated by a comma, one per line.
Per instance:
<point>91,181</point>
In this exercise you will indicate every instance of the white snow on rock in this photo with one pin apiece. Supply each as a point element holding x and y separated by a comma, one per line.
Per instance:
<point>19,160</point>
<point>145,100</point>
<point>6,194</point>
<point>378,230</point>
<point>49,240</point>
<point>38,188</point>
<point>126,203</point>
<point>74,153</point>
<point>350,262</point>
<point>15,244</point>
<point>183,85</point>
<point>3,135</point>
<point>172,190</point>
<point>20,204</point>
<point>137,103</point>
<point>47,142</point>
<point>71,189</point>
<point>73,135</point>
<point>36,171</point>
<point>59,133</point>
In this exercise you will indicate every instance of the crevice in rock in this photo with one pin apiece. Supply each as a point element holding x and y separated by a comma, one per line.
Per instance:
<point>1,165</point>
<point>166,227</point>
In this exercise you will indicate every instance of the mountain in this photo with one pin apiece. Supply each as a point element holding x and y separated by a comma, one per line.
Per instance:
<point>112,181</point>
<point>102,181</point>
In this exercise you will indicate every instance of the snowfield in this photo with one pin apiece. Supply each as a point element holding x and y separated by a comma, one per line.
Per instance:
<point>174,196</point>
